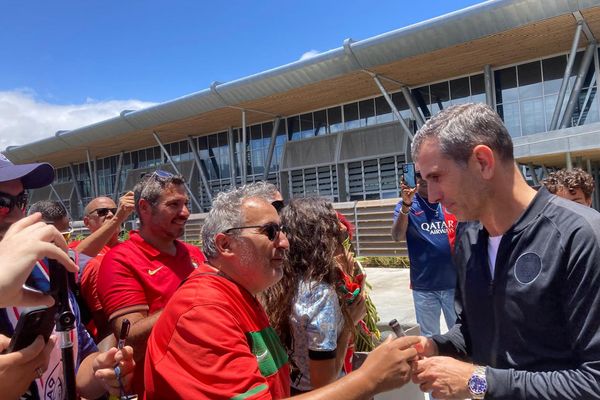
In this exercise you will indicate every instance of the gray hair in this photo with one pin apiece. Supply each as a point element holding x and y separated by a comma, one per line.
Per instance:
<point>151,186</point>
<point>51,211</point>
<point>262,189</point>
<point>458,129</point>
<point>226,213</point>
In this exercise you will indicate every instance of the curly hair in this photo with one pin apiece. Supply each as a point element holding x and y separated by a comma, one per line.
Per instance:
<point>579,179</point>
<point>573,179</point>
<point>314,235</point>
<point>553,181</point>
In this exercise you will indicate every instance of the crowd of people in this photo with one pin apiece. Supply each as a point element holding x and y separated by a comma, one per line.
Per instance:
<point>269,307</point>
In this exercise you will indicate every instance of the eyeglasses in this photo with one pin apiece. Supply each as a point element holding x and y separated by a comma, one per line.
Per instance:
<point>278,204</point>
<point>270,230</point>
<point>65,234</point>
<point>8,202</point>
<point>103,211</point>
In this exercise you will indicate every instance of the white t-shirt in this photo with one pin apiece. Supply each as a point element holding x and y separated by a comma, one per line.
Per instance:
<point>493,244</point>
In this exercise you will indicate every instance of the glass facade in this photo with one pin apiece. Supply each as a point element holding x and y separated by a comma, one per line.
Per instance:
<point>525,96</point>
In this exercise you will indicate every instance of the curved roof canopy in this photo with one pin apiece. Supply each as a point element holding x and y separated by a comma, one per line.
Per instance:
<point>496,32</point>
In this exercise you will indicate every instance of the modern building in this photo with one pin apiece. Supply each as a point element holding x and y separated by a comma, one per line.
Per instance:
<point>339,124</point>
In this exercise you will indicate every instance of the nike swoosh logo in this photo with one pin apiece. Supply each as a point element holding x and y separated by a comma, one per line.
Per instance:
<point>417,213</point>
<point>154,271</point>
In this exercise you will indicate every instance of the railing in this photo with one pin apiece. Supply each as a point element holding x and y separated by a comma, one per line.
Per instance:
<point>371,218</point>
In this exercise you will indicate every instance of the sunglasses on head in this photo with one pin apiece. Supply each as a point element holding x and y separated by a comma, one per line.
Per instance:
<point>157,175</point>
<point>103,211</point>
<point>8,202</point>
<point>278,204</point>
<point>270,230</point>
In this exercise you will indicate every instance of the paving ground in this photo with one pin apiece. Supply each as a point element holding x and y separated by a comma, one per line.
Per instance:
<point>392,295</point>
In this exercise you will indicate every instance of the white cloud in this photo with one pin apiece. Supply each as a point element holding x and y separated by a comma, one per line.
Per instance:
<point>309,54</point>
<point>24,118</point>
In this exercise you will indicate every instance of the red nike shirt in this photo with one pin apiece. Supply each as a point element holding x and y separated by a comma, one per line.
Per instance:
<point>134,276</point>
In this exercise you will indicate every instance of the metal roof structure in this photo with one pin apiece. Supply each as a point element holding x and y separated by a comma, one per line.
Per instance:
<point>497,32</point>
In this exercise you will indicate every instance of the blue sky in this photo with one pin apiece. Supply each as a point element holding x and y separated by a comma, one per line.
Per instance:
<point>65,55</point>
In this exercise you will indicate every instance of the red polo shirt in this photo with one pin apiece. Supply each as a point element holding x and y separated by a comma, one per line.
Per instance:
<point>135,276</point>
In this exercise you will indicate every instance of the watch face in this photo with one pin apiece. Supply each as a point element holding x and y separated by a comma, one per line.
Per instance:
<point>477,384</point>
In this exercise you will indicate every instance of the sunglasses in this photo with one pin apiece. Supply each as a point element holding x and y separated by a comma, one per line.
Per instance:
<point>158,175</point>
<point>278,204</point>
<point>8,202</point>
<point>270,230</point>
<point>103,211</point>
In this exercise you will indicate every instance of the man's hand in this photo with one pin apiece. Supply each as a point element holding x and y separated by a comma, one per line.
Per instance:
<point>18,369</point>
<point>429,347</point>
<point>104,368</point>
<point>406,192</point>
<point>126,206</point>
<point>25,242</point>
<point>443,377</point>
<point>388,366</point>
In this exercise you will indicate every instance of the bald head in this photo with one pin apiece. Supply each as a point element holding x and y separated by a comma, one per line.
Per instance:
<point>99,202</point>
<point>94,220</point>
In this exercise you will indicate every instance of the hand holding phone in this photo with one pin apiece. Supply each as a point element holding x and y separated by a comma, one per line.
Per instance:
<point>408,175</point>
<point>36,322</point>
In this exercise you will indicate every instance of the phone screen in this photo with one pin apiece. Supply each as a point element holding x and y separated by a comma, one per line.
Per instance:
<point>408,173</point>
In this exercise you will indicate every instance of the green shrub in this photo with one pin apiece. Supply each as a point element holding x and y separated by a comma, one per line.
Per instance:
<point>385,262</point>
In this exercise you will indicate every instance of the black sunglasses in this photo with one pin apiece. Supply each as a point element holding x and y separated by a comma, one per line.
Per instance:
<point>103,211</point>
<point>278,204</point>
<point>270,230</point>
<point>8,202</point>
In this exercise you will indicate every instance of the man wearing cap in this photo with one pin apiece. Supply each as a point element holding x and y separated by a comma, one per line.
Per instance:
<point>138,277</point>
<point>95,374</point>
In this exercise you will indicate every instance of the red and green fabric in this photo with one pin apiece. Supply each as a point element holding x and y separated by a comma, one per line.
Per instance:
<point>214,340</point>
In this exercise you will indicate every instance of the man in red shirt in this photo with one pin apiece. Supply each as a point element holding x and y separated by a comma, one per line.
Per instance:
<point>137,277</point>
<point>104,220</point>
<point>213,340</point>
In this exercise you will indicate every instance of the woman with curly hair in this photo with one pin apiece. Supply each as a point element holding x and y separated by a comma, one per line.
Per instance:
<point>314,320</point>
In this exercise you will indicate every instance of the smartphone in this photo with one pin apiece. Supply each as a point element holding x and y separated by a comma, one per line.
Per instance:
<point>37,321</point>
<point>408,174</point>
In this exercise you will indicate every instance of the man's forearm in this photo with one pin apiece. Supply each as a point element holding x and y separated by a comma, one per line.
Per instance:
<point>92,244</point>
<point>139,333</point>
<point>354,386</point>
<point>399,227</point>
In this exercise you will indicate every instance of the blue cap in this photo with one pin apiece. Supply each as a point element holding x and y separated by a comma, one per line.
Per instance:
<point>32,176</point>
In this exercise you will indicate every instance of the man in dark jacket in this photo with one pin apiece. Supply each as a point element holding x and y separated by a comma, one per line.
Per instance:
<point>528,298</point>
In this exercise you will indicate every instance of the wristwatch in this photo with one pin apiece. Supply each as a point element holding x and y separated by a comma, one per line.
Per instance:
<point>477,383</point>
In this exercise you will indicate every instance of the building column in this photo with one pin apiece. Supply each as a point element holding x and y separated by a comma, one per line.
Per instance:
<point>565,80</point>
<point>271,147</point>
<point>231,156</point>
<point>170,160</point>
<point>488,78</point>
<point>201,171</point>
<point>574,97</point>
